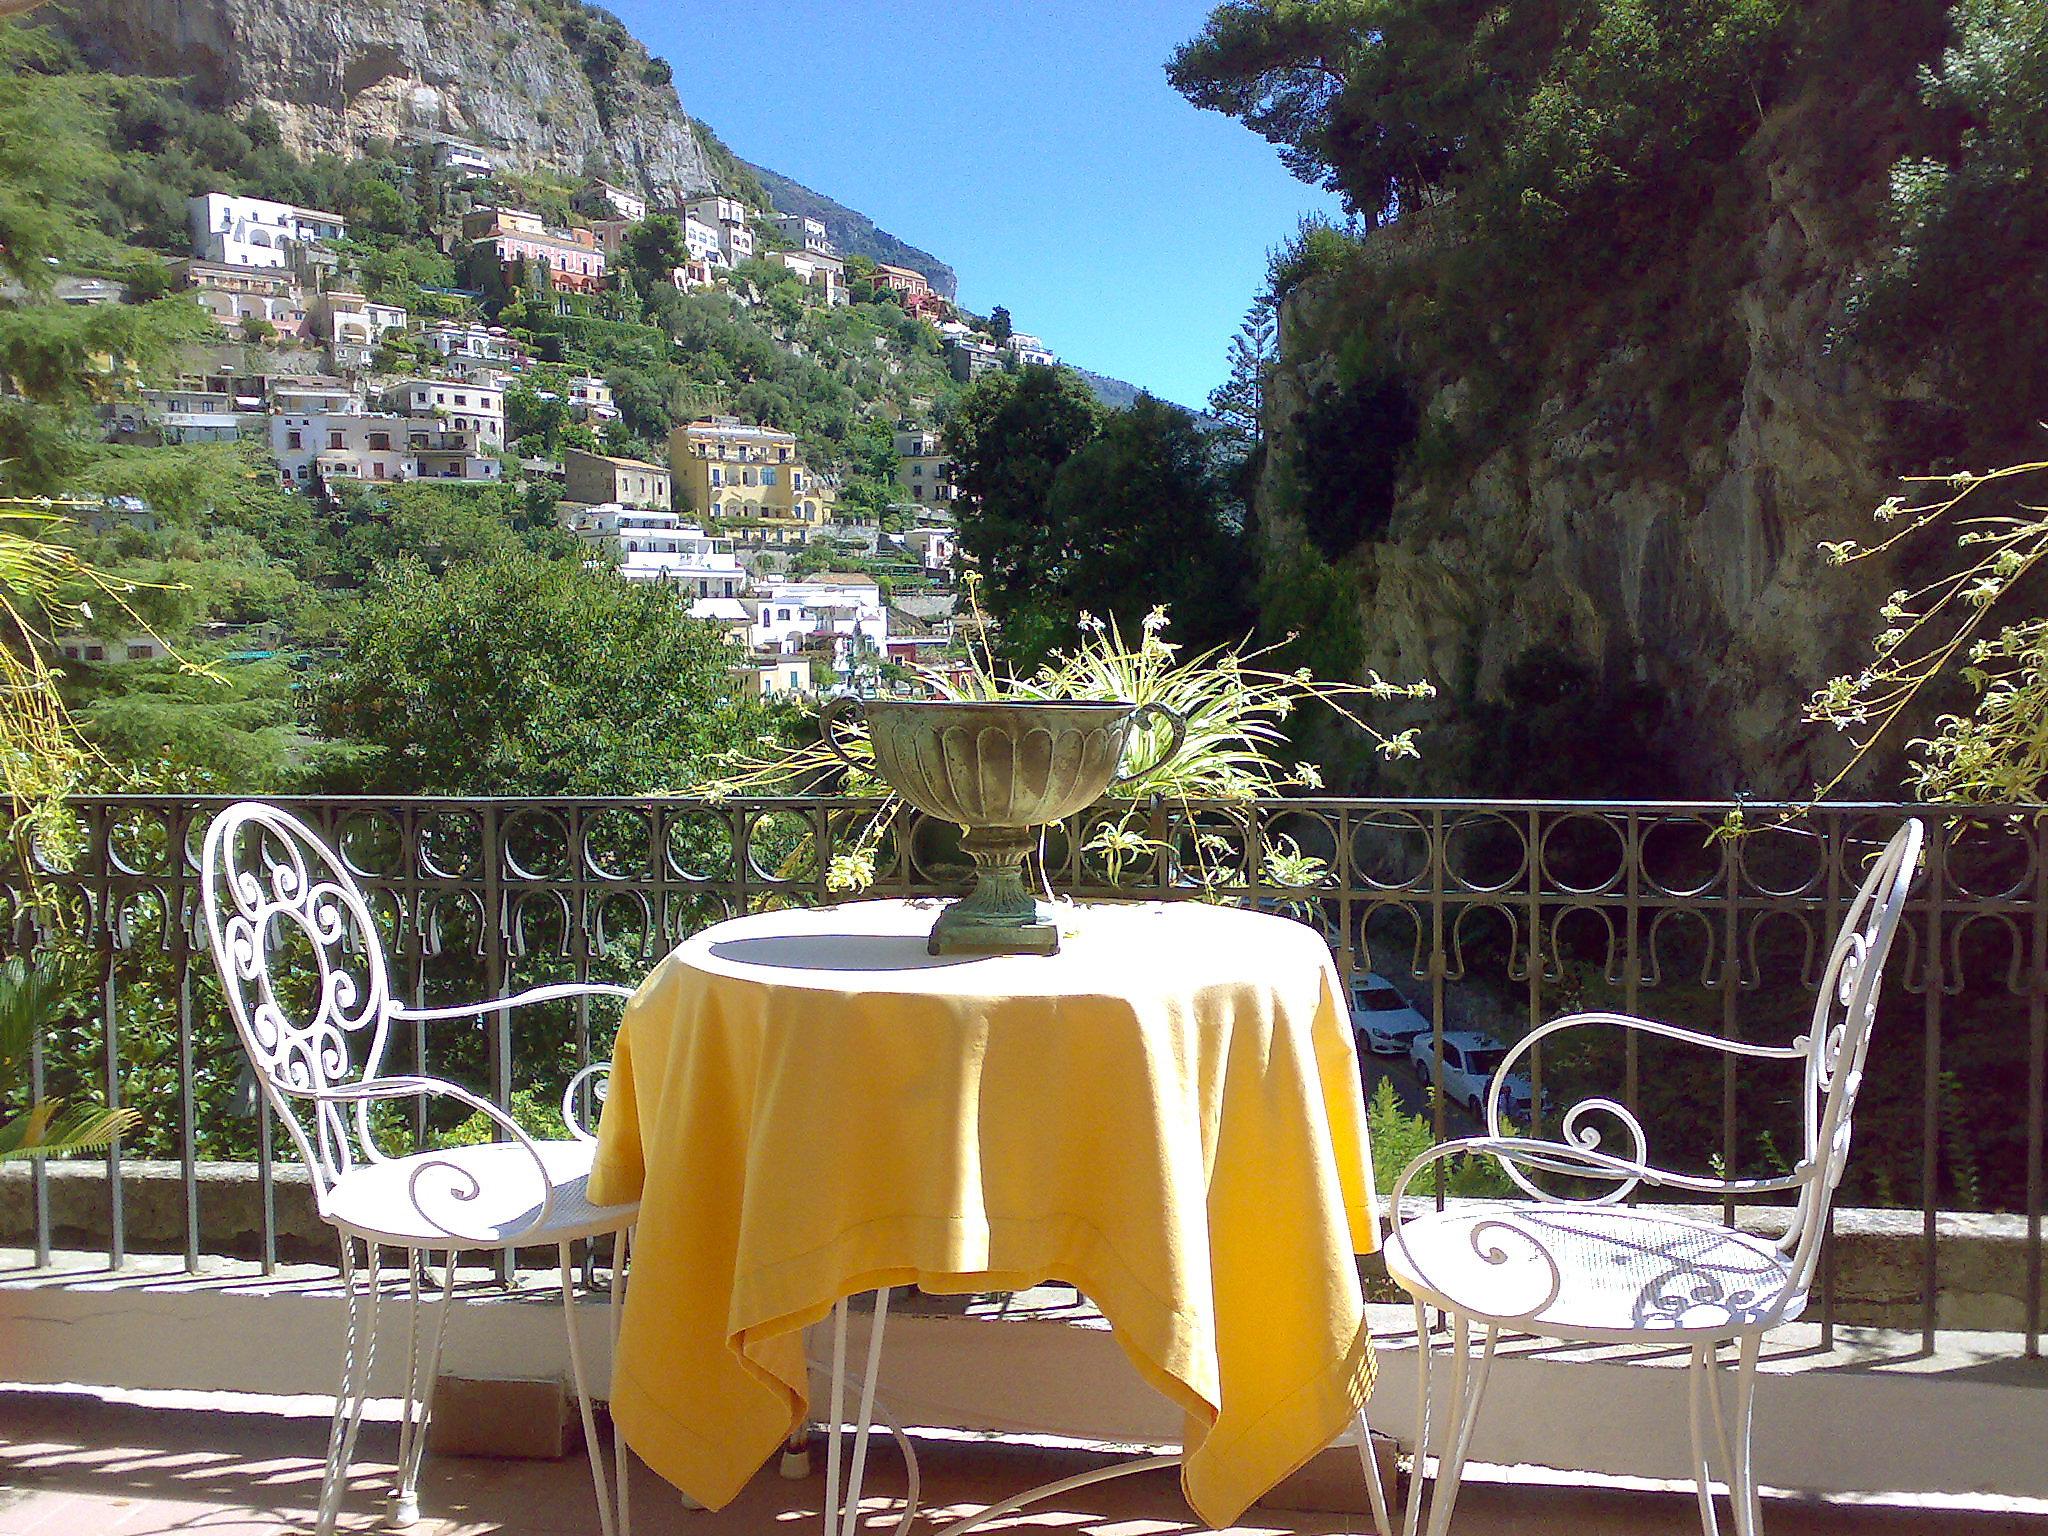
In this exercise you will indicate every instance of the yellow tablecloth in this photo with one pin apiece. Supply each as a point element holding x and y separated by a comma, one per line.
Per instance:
<point>1166,1114</point>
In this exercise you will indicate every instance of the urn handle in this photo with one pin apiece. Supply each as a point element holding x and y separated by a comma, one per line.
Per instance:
<point>1176,723</point>
<point>828,721</point>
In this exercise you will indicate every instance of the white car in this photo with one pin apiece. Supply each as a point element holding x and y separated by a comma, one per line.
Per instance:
<point>1470,1062</point>
<point>1384,1020</point>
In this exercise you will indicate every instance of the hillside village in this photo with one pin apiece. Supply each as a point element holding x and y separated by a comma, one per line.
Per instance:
<point>346,390</point>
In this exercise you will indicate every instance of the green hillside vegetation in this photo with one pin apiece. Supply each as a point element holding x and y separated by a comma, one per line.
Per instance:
<point>283,611</point>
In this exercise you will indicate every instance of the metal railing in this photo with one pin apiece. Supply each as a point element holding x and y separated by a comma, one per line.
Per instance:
<point>1501,914</point>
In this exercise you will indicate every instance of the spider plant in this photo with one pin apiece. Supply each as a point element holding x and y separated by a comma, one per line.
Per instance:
<point>1236,706</point>
<point>34,995</point>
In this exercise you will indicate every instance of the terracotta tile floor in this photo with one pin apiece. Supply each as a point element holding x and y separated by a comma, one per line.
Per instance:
<point>72,1463</point>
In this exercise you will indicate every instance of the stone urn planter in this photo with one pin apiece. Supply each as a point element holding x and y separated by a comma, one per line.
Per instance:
<point>1001,770</point>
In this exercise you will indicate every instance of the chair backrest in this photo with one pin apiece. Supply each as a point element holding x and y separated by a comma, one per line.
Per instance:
<point>303,967</point>
<point>1840,1038</point>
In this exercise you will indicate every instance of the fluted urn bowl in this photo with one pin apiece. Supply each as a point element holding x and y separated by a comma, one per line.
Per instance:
<point>1000,770</point>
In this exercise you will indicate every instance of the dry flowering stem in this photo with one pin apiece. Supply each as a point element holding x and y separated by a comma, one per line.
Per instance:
<point>1957,625</point>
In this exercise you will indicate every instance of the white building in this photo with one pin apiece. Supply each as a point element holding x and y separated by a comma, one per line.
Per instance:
<point>474,345</point>
<point>1029,350</point>
<point>329,445</point>
<point>353,325</point>
<point>590,399</point>
<point>844,614</point>
<point>806,233</point>
<point>254,231</point>
<point>455,404</point>
<point>701,240</point>
<point>465,162</point>
<point>726,217</point>
<point>826,274</point>
<point>192,415</point>
<point>608,199</point>
<point>934,548</point>
<point>236,296</point>
<point>660,546</point>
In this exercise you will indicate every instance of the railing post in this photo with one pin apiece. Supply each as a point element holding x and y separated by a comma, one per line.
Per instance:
<point>2037,1069</point>
<point>1930,1085</point>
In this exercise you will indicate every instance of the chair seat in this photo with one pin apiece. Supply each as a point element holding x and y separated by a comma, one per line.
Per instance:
<point>1594,1272</point>
<point>474,1197</point>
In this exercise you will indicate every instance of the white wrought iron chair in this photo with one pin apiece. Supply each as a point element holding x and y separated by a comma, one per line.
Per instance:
<point>275,896</point>
<point>1593,1270</point>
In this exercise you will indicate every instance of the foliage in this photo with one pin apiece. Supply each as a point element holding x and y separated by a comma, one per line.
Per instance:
<point>1134,521</point>
<point>1316,248</point>
<point>1562,731</point>
<point>1008,438</point>
<point>33,996</point>
<point>1354,439</point>
<point>1397,1138</point>
<point>1525,170</point>
<point>1949,630</point>
<point>518,675</point>
<point>1957,297</point>
<point>1239,401</point>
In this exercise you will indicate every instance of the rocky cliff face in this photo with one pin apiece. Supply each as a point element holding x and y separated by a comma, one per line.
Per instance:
<point>1658,545</point>
<point>336,72</point>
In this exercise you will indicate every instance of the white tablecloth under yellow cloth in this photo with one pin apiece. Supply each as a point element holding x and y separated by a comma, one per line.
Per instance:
<point>1166,1115</point>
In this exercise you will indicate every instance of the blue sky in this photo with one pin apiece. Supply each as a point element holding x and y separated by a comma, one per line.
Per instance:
<point>1035,146</point>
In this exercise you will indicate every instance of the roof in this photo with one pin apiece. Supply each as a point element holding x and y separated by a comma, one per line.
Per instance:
<point>723,609</point>
<point>614,461</point>
<point>715,428</point>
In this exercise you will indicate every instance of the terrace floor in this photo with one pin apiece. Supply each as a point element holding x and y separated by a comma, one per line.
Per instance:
<point>78,1462</point>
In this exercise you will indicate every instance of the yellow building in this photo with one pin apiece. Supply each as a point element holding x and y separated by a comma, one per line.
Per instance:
<point>737,475</point>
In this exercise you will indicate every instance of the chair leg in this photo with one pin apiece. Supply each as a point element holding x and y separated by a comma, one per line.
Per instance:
<point>850,1517</point>
<point>622,1249</point>
<point>1375,1490</point>
<point>1412,1518</point>
<point>1742,1485</point>
<point>1699,1383</point>
<point>358,1354</point>
<point>838,1417</point>
<point>604,1497</point>
<point>1469,1385</point>
<point>422,1370</point>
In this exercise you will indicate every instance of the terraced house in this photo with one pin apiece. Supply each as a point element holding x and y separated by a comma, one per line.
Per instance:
<point>733,472</point>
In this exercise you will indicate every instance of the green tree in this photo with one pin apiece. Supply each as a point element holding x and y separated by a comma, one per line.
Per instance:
<point>1135,519</point>
<point>520,675</point>
<point>999,324</point>
<point>1008,438</point>
<point>655,247</point>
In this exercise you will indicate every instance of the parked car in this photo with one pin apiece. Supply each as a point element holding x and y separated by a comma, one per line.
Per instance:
<point>1384,1020</point>
<point>1470,1062</point>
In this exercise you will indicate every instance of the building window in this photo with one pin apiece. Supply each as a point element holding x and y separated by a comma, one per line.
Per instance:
<point>95,653</point>
<point>292,440</point>
<point>333,438</point>
<point>380,440</point>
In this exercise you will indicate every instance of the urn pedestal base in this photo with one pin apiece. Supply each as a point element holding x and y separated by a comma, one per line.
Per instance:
<point>999,916</point>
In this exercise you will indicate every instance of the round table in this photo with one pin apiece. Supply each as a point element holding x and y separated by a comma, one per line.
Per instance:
<point>1166,1114</point>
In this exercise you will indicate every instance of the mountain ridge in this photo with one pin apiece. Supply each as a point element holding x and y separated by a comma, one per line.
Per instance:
<point>542,85</point>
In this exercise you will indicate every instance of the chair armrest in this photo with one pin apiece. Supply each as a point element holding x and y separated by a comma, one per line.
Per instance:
<point>545,994</point>
<point>463,1185</point>
<point>1580,1135</point>
<point>1585,1162</point>
<point>570,1115</point>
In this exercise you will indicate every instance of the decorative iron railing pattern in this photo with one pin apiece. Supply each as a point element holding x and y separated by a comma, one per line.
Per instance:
<point>1501,913</point>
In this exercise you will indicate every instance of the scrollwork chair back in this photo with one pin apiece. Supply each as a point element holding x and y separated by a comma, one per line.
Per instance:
<point>1839,1040</point>
<point>303,967</point>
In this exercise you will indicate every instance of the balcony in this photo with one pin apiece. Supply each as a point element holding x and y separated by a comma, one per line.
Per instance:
<point>188,1260</point>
